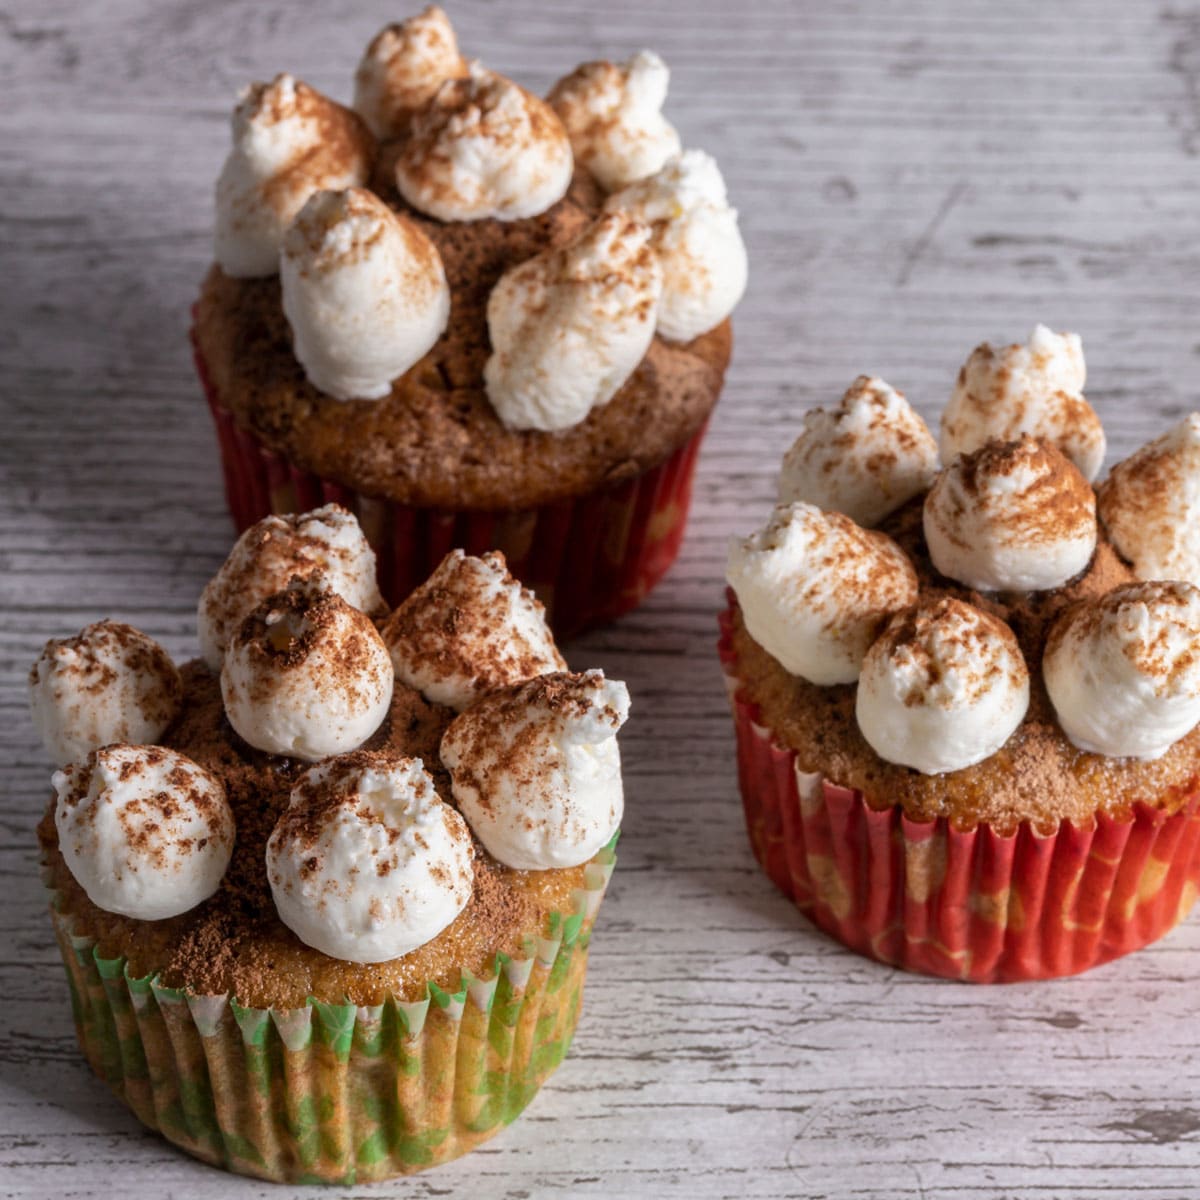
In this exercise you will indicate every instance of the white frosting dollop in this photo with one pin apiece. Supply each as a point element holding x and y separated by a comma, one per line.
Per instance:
<point>145,831</point>
<point>613,115</point>
<point>1150,505</point>
<point>536,769</point>
<point>864,458</point>
<point>943,686</point>
<point>1003,392</point>
<point>697,238</point>
<point>814,589</point>
<point>108,683</point>
<point>364,291</point>
<point>1123,671</point>
<point>402,69</point>
<point>569,326</point>
<point>484,147</point>
<point>327,541</point>
<point>469,629</point>
<point>367,863</point>
<point>1012,516</point>
<point>288,142</point>
<point>306,675</point>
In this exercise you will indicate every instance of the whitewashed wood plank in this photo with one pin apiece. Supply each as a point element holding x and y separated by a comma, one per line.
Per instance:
<point>913,177</point>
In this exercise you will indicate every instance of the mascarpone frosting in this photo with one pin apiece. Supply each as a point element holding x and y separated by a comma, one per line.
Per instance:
<point>1003,392</point>
<point>569,326</point>
<point>695,234</point>
<point>1012,516</point>
<point>367,862</point>
<point>145,831</point>
<point>402,69</point>
<point>944,686</point>
<point>536,769</point>
<point>469,629</point>
<point>364,291</point>
<point>108,683</point>
<point>306,675</point>
<point>1150,505</point>
<point>288,142</point>
<point>1123,670</point>
<point>814,589</point>
<point>864,458</point>
<point>484,148</point>
<point>326,541</point>
<point>613,115</point>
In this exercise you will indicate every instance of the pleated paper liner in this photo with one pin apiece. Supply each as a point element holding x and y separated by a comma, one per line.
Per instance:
<point>589,559</point>
<point>977,906</point>
<point>335,1093</point>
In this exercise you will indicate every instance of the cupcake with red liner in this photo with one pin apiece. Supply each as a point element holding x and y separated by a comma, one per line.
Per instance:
<point>324,896</point>
<point>966,697</point>
<point>476,318</point>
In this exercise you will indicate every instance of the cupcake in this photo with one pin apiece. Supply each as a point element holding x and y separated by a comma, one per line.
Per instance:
<point>476,318</point>
<point>966,696</point>
<point>324,895</point>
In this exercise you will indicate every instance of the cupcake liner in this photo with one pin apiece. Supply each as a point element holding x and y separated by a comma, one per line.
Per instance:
<point>335,1093</point>
<point>972,905</point>
<point>589,559</point>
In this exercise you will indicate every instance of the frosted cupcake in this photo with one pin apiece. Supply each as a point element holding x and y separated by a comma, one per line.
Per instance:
<point>966,694</point>
<point>325,895</point>
<point>477,318</point>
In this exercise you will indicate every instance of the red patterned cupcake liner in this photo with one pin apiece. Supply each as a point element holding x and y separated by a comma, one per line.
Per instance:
<point>977,906</point>
<point>589,559</point>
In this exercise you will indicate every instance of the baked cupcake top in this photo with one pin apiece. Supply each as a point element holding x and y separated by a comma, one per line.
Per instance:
<point>340,802</point>
<point>460,293</point>
<point>1011,644</point>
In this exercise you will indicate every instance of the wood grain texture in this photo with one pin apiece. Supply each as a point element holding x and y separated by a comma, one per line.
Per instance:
<point>912,177</point>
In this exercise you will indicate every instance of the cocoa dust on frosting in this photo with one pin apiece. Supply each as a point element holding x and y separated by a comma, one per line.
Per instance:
<point>491,166</point>
<point>306,674</point>
<point>1037,775</point>
<point>375,881</point>
<point>326,541</point>
<point>107,683</point>
<point>436,440</point>
<point>235,941</point>
<point>1013,515</point>
<point>402,68</point>
<point>469,629</point>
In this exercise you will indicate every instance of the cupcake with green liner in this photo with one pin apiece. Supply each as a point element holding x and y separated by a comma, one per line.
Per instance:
<point>476,317</point>
<point>325,921</point>
<point>967,735</point>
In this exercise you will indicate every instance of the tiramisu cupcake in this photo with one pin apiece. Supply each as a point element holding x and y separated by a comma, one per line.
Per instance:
<point>476,318</point>
<point>324,896</point>
<point>966,698</point>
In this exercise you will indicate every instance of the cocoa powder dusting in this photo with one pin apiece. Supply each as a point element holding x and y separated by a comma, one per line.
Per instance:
<point>1055,506</point>
<point>145,659</point>
<point>455,628</point>
<point>234,942</point>
<point>435,440</point>
<point>292,626</point>
<point>341,137</point>
<point>1037,776</point>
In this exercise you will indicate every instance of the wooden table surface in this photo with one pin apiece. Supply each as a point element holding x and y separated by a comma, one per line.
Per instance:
<point>912,178</point>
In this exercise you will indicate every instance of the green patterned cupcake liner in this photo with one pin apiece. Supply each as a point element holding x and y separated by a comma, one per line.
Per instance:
<point>336,1093</point>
